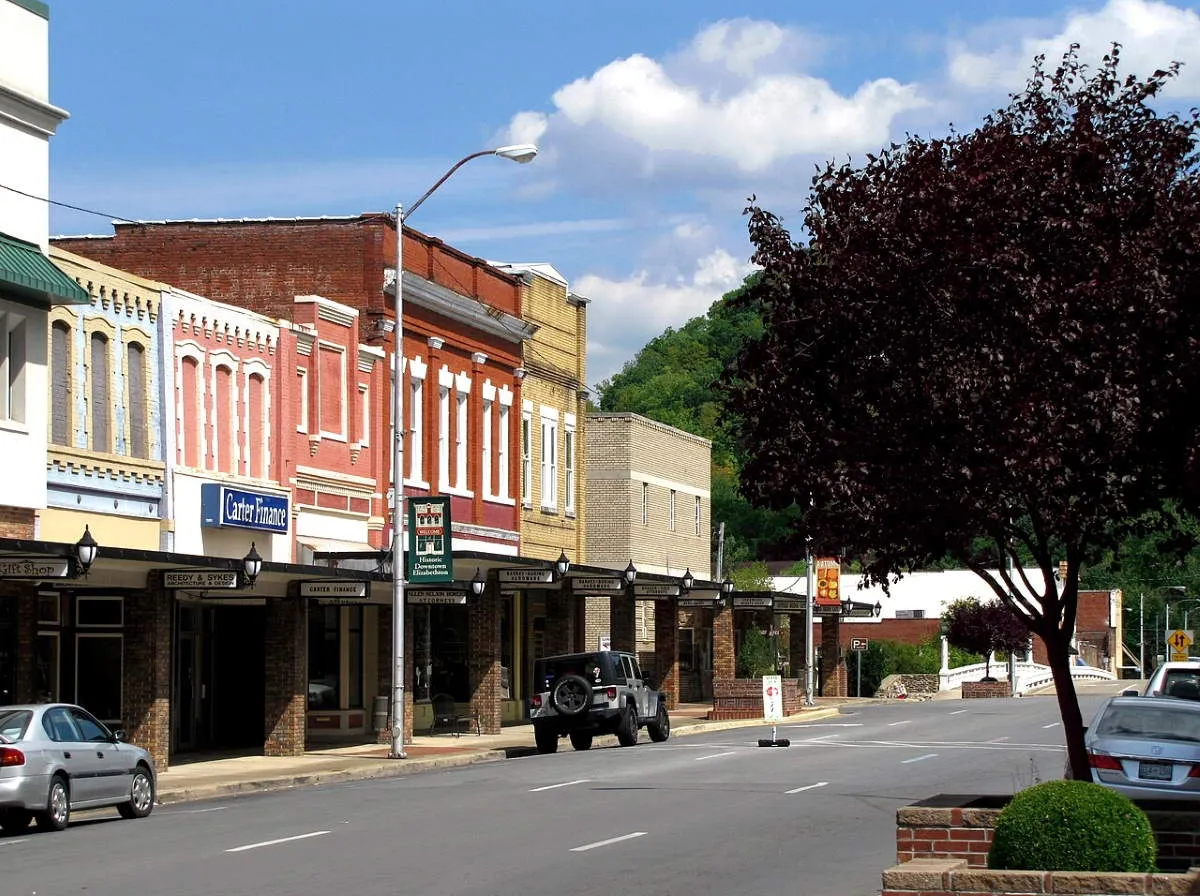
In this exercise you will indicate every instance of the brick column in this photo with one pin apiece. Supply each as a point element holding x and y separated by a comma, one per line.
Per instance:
<point>560,620</point>
<point>383,669</point>
<point>146,680</point>
<point>724,658</point>
<point>622,622</point>
<point>797,648</point>
<point>833,668</point>
<point>484,658</point>
<point>286,658</point>
<point>26,683</point>
<point>666,649</point>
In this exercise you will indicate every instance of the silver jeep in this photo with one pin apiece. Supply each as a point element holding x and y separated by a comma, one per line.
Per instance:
<point>584,694</point>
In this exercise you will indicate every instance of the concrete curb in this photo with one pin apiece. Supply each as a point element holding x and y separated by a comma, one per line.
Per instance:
<point>395,769</point>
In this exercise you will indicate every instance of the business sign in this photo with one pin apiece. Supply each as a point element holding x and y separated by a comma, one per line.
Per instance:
<point>328,592</point>
<point>695,602</point>
<point>790,604</point>
<point>434,596</point>
<point>222,506</point>
<point>200,579</point>
<point>655,592</point>
<point>859,643</point>
<point>525,576</point>
<point>604,642</point>
<point>752,602</point>
<point>35,568</point>
<point>430,557</point>
<point>829,571</point>
<point>773,698</point>
<point>595,584</point>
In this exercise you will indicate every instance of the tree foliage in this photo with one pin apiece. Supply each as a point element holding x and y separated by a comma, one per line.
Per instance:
<point>988,335</point>
<point>984,628</point>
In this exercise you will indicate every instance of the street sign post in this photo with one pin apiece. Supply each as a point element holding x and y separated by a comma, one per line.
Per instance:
<point>858,645</point>
<point>1180,641</point>
<point>772,689</point>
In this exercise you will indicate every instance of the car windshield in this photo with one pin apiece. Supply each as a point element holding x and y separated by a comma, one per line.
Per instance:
<point>13,724</point>
<point>1152,722</point>
<point>1183,683</point>
<point>591,666</point>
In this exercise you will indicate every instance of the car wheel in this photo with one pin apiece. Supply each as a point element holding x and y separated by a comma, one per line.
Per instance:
<point>581,740</point>
<point>13,821</point>
<point>660,728</point>
<point>571,696</point>
<point>627,734</point>
<point>141,795</point>
<point>58,806</point>
<point>546,739</point>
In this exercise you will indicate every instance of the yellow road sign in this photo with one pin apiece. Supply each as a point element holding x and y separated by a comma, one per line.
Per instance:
<point>1180,641</point>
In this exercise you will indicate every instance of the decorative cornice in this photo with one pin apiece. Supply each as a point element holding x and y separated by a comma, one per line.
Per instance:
<point>472,312</point>
<point>30,114</point>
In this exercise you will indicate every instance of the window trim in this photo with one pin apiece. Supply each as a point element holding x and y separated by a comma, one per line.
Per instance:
<point>527,456</point>
<point>548,463</point>
<point>323,347</point>
<point>569,452</point>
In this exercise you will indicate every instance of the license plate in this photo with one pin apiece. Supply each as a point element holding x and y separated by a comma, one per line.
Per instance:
<point>1155,771</point>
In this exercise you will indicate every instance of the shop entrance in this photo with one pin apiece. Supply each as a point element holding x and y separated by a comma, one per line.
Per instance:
<point>219,682</point>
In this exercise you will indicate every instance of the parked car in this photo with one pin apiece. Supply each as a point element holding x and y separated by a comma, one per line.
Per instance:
<point>56,757</point>
<point>1146,748</point>
<point>584,694</point>
<point>1173,679</point>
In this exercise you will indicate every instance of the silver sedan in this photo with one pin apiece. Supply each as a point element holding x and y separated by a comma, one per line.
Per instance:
<point>1147,748</point>
<point>55,757</point>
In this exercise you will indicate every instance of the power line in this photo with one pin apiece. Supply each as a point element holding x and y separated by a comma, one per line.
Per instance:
<point>75,208</point>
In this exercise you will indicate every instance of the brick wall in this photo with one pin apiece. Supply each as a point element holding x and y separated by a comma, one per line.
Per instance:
<point>666,650</point>
<point>906,631</point>
<point>286,658</point>
<point>484,659</point>
<point>972,690</point>
<point>146,682</point>
<point>833,666</point>
<point>16,522</point>
<point>955,877</point>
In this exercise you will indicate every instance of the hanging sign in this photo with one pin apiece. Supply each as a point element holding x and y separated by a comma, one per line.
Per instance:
<point>829,570</point>
<point>752,602</point>
<point>790,604</point>
<point>35,567</point>
<point>200,579</point>
<point>695,602</point>
<point>655,592</point>
<point>595,584</point>
<point>342,591</point>
<point>429,557</point>
<point>525,576</point>
<point>432,596</point>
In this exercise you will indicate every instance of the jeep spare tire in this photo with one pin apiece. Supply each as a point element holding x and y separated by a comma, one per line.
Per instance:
<point>571,695</point>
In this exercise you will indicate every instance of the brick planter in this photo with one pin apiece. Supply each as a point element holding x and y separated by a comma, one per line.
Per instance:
<point>742,698</point>
<point>975,689</point>
<point>961,827</point>
<point>946,877</point>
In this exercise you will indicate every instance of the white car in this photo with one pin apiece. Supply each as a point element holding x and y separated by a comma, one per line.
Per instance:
<point>1178,679</point>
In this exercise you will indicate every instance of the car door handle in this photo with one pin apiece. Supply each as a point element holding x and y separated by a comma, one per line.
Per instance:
<point>99,754</point>
<point>66,754</point>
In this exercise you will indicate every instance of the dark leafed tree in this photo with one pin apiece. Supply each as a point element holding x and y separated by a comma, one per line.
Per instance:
<point>988,336</point>
<point>984,628</point>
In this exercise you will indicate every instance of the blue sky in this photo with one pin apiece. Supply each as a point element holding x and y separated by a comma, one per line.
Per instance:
<point>655,120</point>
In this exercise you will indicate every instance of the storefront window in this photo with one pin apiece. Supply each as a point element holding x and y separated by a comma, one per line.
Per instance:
<point>354,638</point>
<point>46,665</point>
<point>8,649</point>
<point>506,647</point>
<point>98,675</point>
<point>324,657</point>
<point>440,652</point>
<point>687,652</point>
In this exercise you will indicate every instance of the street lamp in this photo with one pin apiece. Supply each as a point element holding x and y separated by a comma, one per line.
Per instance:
<point>561,565</point>
<point>687,581</point>
<point>726,591</point>
<point>86,549</point>
<point>1181,591</point>
<point>522,153</point>
<point>252,565</point>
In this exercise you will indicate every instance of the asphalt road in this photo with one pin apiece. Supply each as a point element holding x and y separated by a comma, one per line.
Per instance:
<point>702,816</point>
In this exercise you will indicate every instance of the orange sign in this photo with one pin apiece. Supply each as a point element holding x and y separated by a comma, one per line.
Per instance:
<point>829,593</point>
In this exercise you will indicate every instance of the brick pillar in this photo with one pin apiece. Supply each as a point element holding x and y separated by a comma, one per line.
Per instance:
<point>560,620</point>
<point>286,658</point>
<point>383,669</point>
<point>724,658</point>
<point>797,648</point>
<point>484,658</point>
<point>146,680</point>
<point>26,683</point>
<point>833,668</point>
<point>622,622</point>
<point>666,649</point>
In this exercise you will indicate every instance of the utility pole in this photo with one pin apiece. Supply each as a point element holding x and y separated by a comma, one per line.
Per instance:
<point>720,550</point>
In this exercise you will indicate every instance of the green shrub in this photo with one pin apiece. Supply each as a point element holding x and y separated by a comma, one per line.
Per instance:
<point>1072,826</point>
<point>756,657</point>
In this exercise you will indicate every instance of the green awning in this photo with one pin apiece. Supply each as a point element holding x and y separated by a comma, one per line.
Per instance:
<point>28,276</point>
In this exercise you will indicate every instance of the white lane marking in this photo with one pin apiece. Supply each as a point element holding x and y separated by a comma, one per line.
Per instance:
<point>917,758</point>
<point>276,842</point>
<point>807,787</point>
<point>608,842</point>
<point>823,725</point>
<point>903,722</point>
<point>195,811</point>
<point>996,740</point>
<point>563,784</point>
<point>713,756</point>
<point>1052,725</point>
<point>957,711</point>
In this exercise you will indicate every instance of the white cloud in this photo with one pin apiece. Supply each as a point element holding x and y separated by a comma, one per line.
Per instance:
<point>1152,35</point>
<point>626,314</point>
<point>733,95</point>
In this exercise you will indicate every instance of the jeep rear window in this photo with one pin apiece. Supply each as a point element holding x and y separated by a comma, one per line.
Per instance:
<point>592,666</point>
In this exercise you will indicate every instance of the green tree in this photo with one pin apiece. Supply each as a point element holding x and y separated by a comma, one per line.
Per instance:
<point>988,335</point>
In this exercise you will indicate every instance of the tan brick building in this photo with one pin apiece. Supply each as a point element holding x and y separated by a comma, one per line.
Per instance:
<point>649,503</point>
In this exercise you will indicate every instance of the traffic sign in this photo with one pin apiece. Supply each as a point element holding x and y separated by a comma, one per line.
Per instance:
<point>1179,641</point>
<point>859,643</point>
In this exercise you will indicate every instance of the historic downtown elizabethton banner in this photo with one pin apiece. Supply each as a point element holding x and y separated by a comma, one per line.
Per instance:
<point>429,556</point>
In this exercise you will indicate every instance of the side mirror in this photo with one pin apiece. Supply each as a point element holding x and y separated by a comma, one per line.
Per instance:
<point>1129,692</point>
<point>118,735</point>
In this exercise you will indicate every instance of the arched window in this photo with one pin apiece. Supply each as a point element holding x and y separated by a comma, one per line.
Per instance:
<point>101,397</point>
<point>60,383</point>
<point>224,422</point>
<point>256,425</point>
<point>135,371</point>
<point>189,395</point>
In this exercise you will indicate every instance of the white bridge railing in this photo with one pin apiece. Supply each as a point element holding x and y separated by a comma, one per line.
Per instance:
<point>1028,676</point>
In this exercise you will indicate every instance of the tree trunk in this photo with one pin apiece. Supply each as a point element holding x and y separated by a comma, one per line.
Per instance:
<point>1059,658</point>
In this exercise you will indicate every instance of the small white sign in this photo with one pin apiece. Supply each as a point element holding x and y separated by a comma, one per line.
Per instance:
<point>859,643</point>
<point>605,642</point>
<point>435,597</point>
<point>773,698</point>
<point>333,589</point>
<point>655,591</point>
<point>200,579</point>
<point>603,584</point>
<point>525,576</point>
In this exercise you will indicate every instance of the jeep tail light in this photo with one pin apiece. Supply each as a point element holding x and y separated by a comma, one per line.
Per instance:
<point>611,693</point>
<point>536,701</point>
<point>1195,772</point>
<point>9,756</point>
<point>1110,763</point>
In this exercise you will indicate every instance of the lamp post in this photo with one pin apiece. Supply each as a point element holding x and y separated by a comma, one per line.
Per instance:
<point>809,653</point>
<point>522,153</point>
<point>1180,590</point>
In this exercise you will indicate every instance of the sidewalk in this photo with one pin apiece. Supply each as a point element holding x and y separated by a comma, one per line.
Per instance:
<point>207,776</point>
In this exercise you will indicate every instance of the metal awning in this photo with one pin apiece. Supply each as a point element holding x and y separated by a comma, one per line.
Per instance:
<point>28,276</point>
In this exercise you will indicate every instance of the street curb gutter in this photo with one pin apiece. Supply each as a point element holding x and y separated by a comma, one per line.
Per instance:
<point>396,768</point>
